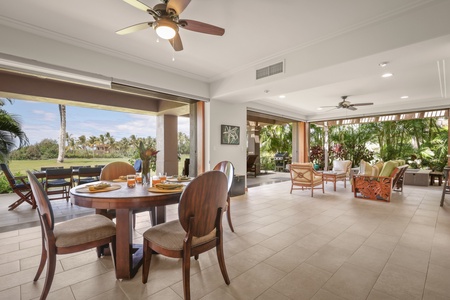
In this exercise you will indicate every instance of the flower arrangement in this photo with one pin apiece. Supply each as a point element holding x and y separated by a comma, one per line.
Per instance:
<point>148,157</point>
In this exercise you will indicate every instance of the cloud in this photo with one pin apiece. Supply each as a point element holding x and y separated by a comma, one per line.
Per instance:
<point>45,115</point>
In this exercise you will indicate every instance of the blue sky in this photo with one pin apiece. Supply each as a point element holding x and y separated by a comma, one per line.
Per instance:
<point>40,120</point>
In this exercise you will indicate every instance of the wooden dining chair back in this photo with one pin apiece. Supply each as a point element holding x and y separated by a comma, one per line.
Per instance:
<point>116,169</point>
<point>228,169</point>
<point>70,236</point>
<point>59,182</point>
<point>88,175</point>
<point>197,230</point>
<point>303,176</point>
<point>20,187</point>
<point>113,171</point>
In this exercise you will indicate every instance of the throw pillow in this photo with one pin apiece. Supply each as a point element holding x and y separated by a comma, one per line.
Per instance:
<point>365,168</point>
<point>340,165</point>
<point>388,167</point>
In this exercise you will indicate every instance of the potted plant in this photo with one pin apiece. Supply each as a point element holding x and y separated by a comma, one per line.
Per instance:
<point>316,156</point>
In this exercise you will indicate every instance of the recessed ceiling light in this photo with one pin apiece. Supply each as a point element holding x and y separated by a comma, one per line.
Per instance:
<point>383,64</point>
<point>386,75</point>
<point>404,97</point>
<point>282,96</point>
<point>319,108</point>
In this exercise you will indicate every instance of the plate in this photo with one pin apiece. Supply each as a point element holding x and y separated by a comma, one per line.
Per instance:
<point>156,190</point>
<point>85,189</point>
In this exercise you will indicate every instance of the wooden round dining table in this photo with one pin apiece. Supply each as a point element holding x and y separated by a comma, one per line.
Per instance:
<point>124,200</point>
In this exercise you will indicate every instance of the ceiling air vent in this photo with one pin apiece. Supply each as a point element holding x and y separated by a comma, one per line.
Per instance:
<point>270,70</point>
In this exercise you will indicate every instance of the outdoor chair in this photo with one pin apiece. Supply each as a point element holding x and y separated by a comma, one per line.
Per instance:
<point>197,230</point>
<point>88,175</point>
<point>227,168</point>
<point>113,171</point>
<point>58,182</point>
<point>70,236</point>
<point>303,176</point>
<point>20,187</point>
<point>251,163</point>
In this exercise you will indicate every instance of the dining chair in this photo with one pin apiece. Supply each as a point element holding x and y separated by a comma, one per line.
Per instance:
<point>304,176</point>
<point>197,230</point>
<point>58,182</point>
<point>113,171</point>
<point>228,169</point>
<point>70,236</point>
<point>20,187</point>
<point>88,175</point>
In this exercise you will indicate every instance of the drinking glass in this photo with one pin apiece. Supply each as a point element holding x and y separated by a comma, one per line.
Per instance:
<point>138,177</point>
<point>163,177</point>
<point>131,181</point>
<point>155,180</point>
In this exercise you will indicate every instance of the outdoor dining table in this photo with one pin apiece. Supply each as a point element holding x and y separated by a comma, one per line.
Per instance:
<point>124,200</point>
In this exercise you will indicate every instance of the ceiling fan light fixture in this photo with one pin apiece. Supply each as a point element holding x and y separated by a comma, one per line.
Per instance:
<point>387,75</point>
<point>165,29</point>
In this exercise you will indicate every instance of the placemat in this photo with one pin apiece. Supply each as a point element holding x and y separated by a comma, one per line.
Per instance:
<point>119,180</point>
<point>85,189</point>
<point>156,190</point>
<point>181,180</point>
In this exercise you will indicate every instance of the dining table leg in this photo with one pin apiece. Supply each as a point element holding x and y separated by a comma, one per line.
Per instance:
<point>128,256</point>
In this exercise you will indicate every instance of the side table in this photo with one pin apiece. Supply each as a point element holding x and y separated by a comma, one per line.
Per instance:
<point>335,176</point>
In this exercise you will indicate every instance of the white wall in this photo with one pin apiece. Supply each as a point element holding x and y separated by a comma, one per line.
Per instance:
<point>222,113</point>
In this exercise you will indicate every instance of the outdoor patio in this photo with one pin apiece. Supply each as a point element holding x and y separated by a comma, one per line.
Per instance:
<point>332,246</point>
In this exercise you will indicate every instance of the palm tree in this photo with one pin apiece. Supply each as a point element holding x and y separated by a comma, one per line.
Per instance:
<point>10,130</point>
<point>62,133</point>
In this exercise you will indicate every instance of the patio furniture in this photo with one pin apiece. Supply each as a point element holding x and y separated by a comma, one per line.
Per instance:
<point>251,163</point>
<point>70,236</point>
<point>417,177</point>
<point>303,176</point>
<point>340,166</point>
<point>88,175</point>
<point>197,230</point>
<point>334,176</point>
<point>371,185</point>
<point>58,182</point>
<point>20,187</point>
<point>228,169</point>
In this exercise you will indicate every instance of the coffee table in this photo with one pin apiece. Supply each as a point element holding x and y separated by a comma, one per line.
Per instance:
<point>333,176</point>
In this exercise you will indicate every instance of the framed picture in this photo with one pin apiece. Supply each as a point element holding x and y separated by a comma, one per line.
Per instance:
<point>229,134</point>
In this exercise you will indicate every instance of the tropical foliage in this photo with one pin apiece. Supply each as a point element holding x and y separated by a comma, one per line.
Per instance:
<point>274,139</point>
<point>10,132</point>
<point>423,143</point>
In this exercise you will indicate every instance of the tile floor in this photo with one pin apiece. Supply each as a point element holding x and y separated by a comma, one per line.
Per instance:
<point>332,246</point>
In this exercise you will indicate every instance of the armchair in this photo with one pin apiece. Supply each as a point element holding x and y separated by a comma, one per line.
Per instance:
<point>304,176</point>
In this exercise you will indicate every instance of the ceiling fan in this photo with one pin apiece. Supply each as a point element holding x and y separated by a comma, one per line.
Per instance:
<point>167,21</point>
<point>347,104</point>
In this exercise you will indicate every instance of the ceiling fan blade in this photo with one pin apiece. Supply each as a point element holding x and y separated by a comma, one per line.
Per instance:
<point>177,5</point>
<point>201,27</point>
<point>351,107</point>
<point>134,28</point>
<point>361,104</point>
<point>176,42</point>
<point>138,4</point>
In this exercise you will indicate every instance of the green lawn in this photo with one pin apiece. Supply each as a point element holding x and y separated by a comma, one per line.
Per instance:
<point>22,166</point>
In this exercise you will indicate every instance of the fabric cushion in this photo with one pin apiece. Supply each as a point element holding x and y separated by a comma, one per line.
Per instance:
<point>340,165</point>
<point>83,230</point>
<point>366,169</point>
<point>170,236</point>
<point>388,167</point>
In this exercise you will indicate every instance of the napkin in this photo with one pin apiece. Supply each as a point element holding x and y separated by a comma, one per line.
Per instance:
<point>168,186</point>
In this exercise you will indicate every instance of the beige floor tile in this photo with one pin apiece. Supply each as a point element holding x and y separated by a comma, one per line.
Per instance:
<point>329,258</point>
<point>430,295</point>
<point>314,241</point>
<point>382,241</point>
<point>217,294</point>
<point>440,256</point>
<point>246,260</point>
<point>254,282</point>
<point>11,294</point>
<point>348,241</point>
<point>351,282</point>
<point>64,293</point>
<point>303,282</point>
<point>280,241</point>
<point>401,282</point>
<point>323,294</point>
<point>369,258</point>
<point>9,268</point>
<point>438,280</point>
<point>410,258</point>
<point>269,294</point>
<point>289,258</point>
<point>377,295</point>
<point>113,294</point>
<point>95,286</point>
<point>418,242</point>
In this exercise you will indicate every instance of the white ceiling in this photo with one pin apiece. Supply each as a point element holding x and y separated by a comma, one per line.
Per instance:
<point>330,48</point>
